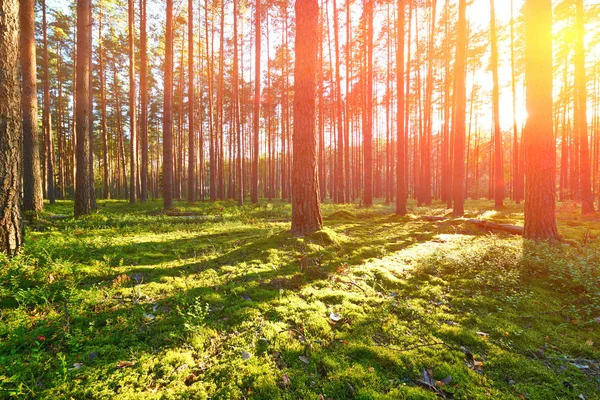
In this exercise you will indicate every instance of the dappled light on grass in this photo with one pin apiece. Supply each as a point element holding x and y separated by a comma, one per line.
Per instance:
<point>133,303</point>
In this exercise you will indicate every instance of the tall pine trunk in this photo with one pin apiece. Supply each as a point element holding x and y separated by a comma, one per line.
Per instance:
<point>11,224</point>
<point>256,117</point>
<point>306,208</point>
<point>46,116</point>
<point>144,100</point>
<point>191,194</point>
<point>401,192</point>
<point>168,112</point>
<point>132,108</point>
<point>460,111</point>
<point>539,142</point>
<point>587,198</point>
<point>499,165</point>
<point>32,177</point>
<point>85,184</point>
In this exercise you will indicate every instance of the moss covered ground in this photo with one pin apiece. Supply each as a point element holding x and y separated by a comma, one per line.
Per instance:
<point>221,302</point>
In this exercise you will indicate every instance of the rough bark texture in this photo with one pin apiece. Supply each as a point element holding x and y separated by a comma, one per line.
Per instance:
<point>191,194</point>
<point>368,132</point>
<point>587,198</point>
<point>400,174</point>
<point>11,225</point>
<point>46,116</point>
<point>168,113</point>
<point>498,164</point>
<point>132,108</point>
<point>33,199</point>
<point>84,187</point>
<point>539,142</point>
<point>460,111</point>
<point>103,121</point>
<point>256,117</point>
<point>144,102</point>
<point>306,209</point>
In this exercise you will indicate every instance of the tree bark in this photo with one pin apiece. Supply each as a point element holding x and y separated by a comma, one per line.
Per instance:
<point>460,111</point>
<point>306,208</point>
<point>540,149</point>
<point>103,121</point>
<point>11,224</point>
<point>83,199</point>
<point>499,165</point>
<point>46,116</point>
<point>191,194</point>
<point>168,112</point>
<point>132,108</point>
<point>144,100</point>
<point>401,193</point>
<point>587,198</point>
<point>33,199</point>
<point>256,117</point>
<point>368,132</point>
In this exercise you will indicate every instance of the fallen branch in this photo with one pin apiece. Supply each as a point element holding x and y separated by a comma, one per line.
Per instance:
<point>433,218</point>
<point>512,229</point>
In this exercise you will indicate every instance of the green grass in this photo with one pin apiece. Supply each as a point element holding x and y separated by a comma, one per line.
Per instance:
<point>223,302</point>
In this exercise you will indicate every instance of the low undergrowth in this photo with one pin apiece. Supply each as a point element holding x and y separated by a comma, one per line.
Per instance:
<point>215,301</point>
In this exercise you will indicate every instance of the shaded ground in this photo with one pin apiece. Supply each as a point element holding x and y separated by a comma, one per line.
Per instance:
<point>221,302</point>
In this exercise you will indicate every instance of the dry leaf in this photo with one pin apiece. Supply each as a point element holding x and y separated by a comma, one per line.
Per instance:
<point>335,317</point>
<point>305,360</point>
<point>246,355</point>
<point>286,380</point>
<point>590,342</point>
<point>125,364</point>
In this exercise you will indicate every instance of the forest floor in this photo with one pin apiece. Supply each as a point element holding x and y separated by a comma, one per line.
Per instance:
<point>223,302</point>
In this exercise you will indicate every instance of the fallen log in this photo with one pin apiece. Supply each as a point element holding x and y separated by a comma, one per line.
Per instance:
<point>512,229</point>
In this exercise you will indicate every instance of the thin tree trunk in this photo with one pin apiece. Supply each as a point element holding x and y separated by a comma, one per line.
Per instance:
<point>144,100</point>
<point>460,111</point>
<point>191,194</point>
<point>103,122</point>
<point>401,193</point>
<point>33,199</point>
<point>132,108</point>
<point>587,198</point>
<point>168,112</point>
<point>256,117</point>
<point>368,133</point>
<point>46,116</point>
<point>499,165</point>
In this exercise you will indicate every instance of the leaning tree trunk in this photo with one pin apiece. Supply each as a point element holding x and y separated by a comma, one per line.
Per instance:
<point>306,208</point>
<point>11,225</point>
<point>539,142</point>
<point>84,187</point>
<point>33,199</point>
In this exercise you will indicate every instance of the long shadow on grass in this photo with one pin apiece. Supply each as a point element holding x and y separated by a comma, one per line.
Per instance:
<point>99,329</point>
